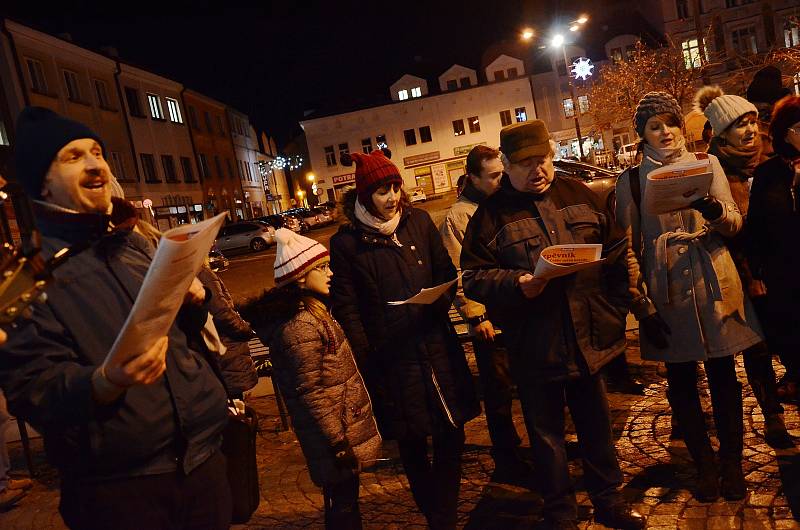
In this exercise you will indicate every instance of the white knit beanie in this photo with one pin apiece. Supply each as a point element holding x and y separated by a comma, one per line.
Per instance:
<point>295,256</point>
<point>721,109</point>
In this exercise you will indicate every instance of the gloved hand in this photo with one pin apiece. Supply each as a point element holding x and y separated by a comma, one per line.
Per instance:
<point>656,330</point>
<point>345,457</point>
<point>709,207</point>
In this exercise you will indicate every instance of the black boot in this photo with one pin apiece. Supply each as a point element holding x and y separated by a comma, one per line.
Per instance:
<point>775,433</point>
<point>761,376</point>
<point>726,399</point>
<point>675,432</point>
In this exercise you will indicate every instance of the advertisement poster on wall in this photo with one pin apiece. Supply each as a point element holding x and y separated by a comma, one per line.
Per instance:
<point>439,177</point>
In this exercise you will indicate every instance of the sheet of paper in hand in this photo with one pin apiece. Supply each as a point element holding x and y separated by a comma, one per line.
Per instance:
<point>428,295</point>
<point>177,261</point>
<point>560,260</point>
<point>675,186</point>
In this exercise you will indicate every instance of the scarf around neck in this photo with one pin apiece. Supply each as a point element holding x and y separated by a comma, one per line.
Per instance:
<point>738,162</point>
<point>665,155</point>
<point>387,228</point>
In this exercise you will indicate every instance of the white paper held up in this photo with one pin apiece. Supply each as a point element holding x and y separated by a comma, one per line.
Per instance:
<point>177,261</point>
<point>560,260</point>
<point>675,186</point>
<point>428,295</point>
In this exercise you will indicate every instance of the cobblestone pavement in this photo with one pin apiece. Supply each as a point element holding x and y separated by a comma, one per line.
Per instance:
<point>658,476</point>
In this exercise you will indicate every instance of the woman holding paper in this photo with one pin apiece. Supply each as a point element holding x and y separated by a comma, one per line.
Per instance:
<point>317,375</point>
<point>737,144</point>
<point>412,362</point>
<point>688,297</point>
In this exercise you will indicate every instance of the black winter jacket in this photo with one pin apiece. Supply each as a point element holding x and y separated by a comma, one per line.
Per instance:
<point>413,365</point>
<point>46,366</point>
<point>582,314</point>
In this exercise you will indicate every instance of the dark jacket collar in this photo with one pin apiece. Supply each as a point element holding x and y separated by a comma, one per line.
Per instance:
<point>472,193</point>
<point>507,189</point>
<point>72,227</point>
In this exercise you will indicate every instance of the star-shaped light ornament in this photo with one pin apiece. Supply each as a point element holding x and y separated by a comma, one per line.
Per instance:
<point>582,68</point>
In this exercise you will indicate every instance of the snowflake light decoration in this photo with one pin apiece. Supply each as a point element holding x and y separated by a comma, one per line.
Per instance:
<point>582,68</point>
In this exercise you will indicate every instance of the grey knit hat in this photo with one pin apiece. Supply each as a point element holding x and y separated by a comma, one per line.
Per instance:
<point>655,103</point>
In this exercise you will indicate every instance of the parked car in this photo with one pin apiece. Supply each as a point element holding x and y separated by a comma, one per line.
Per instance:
<point>294,222</point>
<point>597,178</point>
<point>626,155</point>
<point>312,219</point>
<point>275,221</point>
<point>252,235</point>
<point>216,261</point>
<point>417,195</point>
<point>325,215</point>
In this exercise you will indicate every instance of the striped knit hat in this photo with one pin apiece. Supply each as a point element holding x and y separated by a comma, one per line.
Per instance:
<point>372,171</point>
<point>296,255</point>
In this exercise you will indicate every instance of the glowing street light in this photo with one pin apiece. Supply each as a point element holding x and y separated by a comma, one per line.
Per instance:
<point>527,34</point>
<point>558,41</point>
<point>583,19</point>
<point>310,177</point>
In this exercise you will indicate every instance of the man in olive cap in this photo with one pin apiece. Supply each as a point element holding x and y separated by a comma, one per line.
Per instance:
<point>559,332</point>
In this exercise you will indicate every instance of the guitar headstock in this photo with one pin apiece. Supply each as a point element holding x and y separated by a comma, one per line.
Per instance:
<point>23,279</point>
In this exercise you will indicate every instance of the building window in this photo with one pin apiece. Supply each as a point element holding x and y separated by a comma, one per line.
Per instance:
<point>156,111</point>
<point>796,83</point>
<point>149,168</point>
<point>410,136</point>
<point>682,7</point>
<point>168,164</point>
<point>330,157</point>
<point>230,167</point>
<point>512,73</point>
<point>505,118</point>
<point>474,124</point>
<point>71,82</point>
<point>366,145</point>
<point>583,104</point>
<point>186,165</point>
<point>466,82</point>
<point>117,167</point>
<point>218,167</point>
<point>240,167</point>
<point>207,117</point>
<point>744,40</point>
<point>458,128</point>
<point>343,148</point>
<point>101,91</point>
<point>4,139</point>
<point>402,94</point>
<point>36,73</point>
<point>691,53</point>
<point>616,55</point>
<point>569,108</point>
<point>134,105</point>
<point>380,142</point>
<point>174,110</point>
<point>425,134</point>
<point>521,114</point>
<point>791,33</point>
<point>452,84</point>
<point>193,117</point>
<point>416,92</point>
<point>202,165</point>
<point>499,75</point>
<point>731,3</point>
<point>220,126</point>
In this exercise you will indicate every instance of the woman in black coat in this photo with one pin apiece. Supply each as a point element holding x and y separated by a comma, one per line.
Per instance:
<point>412,362</point>
<point>773,225</point>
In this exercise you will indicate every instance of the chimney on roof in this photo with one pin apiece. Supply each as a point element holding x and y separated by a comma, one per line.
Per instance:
<point>110,51</point>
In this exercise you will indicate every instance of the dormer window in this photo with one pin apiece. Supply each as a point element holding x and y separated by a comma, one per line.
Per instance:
<point>402,94</point>
<point>452,84</point>
<point>416,92</point>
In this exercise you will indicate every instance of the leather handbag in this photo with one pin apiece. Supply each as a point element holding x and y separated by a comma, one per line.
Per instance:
<point>239,448</point>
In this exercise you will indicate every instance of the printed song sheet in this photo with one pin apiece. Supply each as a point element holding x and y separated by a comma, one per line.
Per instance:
<point>676,186</point>
<point>428,295</point>
<point>177,261</point>
<point>560,260</point>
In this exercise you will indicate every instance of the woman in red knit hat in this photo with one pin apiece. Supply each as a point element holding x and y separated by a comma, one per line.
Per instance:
<point>409,354</point>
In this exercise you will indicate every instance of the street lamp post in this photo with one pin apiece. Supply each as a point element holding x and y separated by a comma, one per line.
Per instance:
<point>558,41</point>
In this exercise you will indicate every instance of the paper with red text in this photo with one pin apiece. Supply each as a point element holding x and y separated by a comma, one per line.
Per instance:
<point>560,260</point>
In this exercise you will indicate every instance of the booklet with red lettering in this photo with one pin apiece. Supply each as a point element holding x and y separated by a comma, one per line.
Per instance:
<point>675,186</point>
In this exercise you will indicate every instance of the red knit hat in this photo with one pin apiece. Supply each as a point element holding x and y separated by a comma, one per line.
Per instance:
<point>372,171</point>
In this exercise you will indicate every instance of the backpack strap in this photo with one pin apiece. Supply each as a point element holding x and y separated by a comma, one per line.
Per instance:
<point>636,187</point>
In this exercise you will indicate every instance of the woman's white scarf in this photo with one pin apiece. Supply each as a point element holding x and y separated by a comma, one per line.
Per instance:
<point>665,155</point>
<point>378,224</point>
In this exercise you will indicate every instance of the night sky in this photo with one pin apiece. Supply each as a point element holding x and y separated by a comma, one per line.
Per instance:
<point>274,62</point>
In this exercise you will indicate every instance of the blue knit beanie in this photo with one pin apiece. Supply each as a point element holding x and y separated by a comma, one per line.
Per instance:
<point>41,133</point>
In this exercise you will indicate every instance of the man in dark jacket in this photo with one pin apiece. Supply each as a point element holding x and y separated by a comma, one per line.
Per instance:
<point>136,445</point>
<point>559,333</point>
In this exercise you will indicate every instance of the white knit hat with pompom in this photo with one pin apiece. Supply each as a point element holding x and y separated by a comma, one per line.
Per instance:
<point>295,256</point>
<point>720,108</point>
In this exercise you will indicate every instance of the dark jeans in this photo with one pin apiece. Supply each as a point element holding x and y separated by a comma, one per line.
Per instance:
<point>169,501</point>
<point>543,407</point>
<point>761,376</point>
<point>341,505</point>
<point>498,387</point>
<point>435,485</point>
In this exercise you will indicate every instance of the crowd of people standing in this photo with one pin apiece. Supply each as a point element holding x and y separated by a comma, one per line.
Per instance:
<point>138,445</point>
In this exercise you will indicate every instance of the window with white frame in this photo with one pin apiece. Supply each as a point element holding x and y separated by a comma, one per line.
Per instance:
<point>101,91</point>
<point>402,94</point>
<point>380,142</point>
<point>791,33</point>
<point>174,109</point>
<point>458,128</point>
<point>521,114</point>
<point>474,124</point>
<point>583,104</point>
<point>330,156</point>
<point>71,82</point>
<point>744,40</point>
<point>569,108</point>
<point>691,53</point>
<point>366,145</point>
<point>343,148</point>
<point>505,118</point>
<point>36,73</point>
<point>416,92</point>
<point>156,111</point>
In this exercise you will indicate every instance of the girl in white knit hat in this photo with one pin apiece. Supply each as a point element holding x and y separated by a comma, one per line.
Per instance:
<point>737,144</point>
<point>317,375</point>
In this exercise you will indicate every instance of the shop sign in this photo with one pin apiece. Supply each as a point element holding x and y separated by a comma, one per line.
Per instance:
<point>344,179</point>
<point>421,159</point>
<point>464,150</point>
